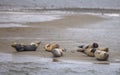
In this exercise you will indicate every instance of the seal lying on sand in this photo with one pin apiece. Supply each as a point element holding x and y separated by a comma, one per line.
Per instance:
<point>92,50</point>
<point>57,52</point>
<point>93,45</point>
<point>89,49</point>
<point>54,49</point>
<point>82,48</point>
<point>22,47</point>
<point>50,47</point>
<point>101,55</point>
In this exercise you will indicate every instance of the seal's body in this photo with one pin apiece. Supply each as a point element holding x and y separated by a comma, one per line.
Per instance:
<point>90,52</point>
<point>101,55</point>
<point>50,47</point>
<point>103,49</point>
<point>89,49</point>
<point>57,52</point>
<point>21,47</point>
<point>82,48</point>
<point>18,47</point>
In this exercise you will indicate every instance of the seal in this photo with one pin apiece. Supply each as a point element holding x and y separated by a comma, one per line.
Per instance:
<point>93,45</point>
<point>57,52</point>
<point>50,47</point>
<point>93,50</point>
<point>101,55</point>
<point>90,52</point>
<point>22,47</point>
<point>82,48</point>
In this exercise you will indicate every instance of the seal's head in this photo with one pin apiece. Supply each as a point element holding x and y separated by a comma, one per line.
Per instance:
<point>35,44</point>
<point>57,52</point>
<point>93,45</point>
<point>14,45</point>
<point>18,47</point>
<point>101,55</point>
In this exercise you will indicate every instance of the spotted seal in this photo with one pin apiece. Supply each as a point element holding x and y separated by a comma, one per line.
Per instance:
<point>21,47</point>
<point>91,49</point>
<point>82,48</point>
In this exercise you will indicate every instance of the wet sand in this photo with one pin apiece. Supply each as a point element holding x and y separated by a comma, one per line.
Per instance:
<point>69,31</point>
<point>56,31</point>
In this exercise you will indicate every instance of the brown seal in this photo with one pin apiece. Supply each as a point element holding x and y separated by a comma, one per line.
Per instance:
<point>50,47</point>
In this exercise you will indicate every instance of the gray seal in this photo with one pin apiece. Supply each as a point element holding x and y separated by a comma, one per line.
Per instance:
<point>21,47</point>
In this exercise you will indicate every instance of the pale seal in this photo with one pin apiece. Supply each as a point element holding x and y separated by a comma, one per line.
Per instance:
<point>101,55</point>
<point>50,47</point>
<point>57,52</point>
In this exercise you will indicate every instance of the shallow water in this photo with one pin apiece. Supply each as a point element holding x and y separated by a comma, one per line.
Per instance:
<point>17,19</point>
<point>62,4</point>
<point>11,64</point>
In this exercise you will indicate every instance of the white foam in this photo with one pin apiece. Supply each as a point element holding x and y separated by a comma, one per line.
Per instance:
<point>11,25</point>
<point>28,18</point>
<point>113,15</point>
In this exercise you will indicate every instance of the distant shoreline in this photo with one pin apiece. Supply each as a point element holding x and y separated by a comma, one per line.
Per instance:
<point>38,9</point>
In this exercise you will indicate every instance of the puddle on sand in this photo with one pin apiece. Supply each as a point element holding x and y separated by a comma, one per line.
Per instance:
<point>11,25</point>
<point>23,18</point>
<point>11,64</point>
<point>6,57</point>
